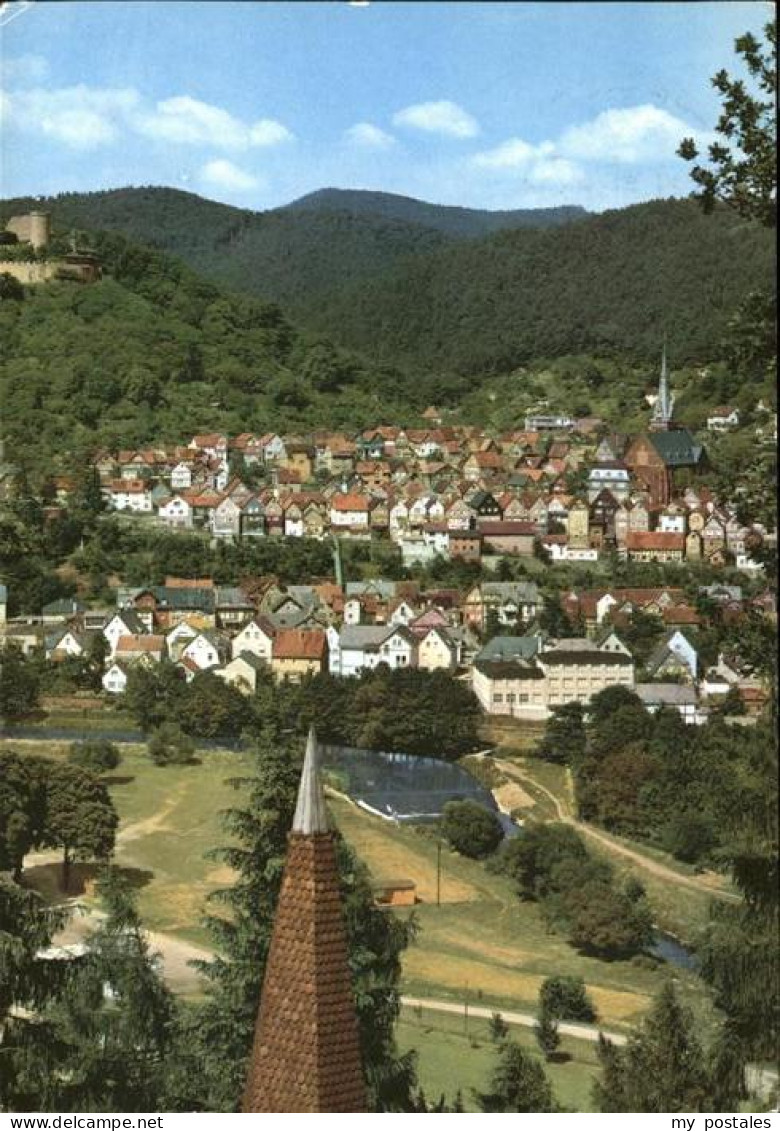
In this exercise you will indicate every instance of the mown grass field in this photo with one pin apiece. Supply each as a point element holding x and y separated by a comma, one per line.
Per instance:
<point>454,1056</point>
<point>482,941</point>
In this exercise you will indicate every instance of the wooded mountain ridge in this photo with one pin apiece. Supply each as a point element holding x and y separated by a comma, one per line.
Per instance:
<point>361,269</point>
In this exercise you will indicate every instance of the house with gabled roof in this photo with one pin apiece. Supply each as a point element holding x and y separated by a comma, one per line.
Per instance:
<point>147,647</point>
<point>674,655</point>
<point>114,678</point>
<point>299,652</point>
<point>206,650</point>
<point>257,637</point>
<point>176,512</point>
<point>125,622</point>
<point>242,672</point>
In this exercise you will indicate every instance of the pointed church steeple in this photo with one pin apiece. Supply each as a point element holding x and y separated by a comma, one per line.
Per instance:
<point>311,814</point>
<point>662,412</point>
<point>306,1054</point>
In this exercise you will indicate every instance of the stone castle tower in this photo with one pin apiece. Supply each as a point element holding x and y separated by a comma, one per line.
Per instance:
<point>33,228</point>
<point>306,1054</point>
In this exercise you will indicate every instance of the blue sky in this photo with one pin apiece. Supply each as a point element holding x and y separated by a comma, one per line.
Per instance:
<point>494,105</point>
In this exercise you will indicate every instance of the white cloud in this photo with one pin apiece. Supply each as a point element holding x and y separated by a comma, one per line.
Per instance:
<point>80,117</point>
<point>188,121</point>
<point>538,163</point>
<point>556,171</point>
<point>511,154</point>
<point>24,69</point>
<point>443,117</point>
<point>635,134</point>
<point>224,174</point>
<point>369,136</point>
<point>269,132</point>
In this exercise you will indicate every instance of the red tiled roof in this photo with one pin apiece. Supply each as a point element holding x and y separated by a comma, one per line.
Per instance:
<point>189,583</point>
<point>299,644</point>
<point>496,528</point>
<point>349,502</point>
<point>140,644</point>
<point>654,540</point>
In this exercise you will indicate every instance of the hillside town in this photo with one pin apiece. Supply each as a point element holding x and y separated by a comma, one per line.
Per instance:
<point>567,490</point>
<point>559,490</point>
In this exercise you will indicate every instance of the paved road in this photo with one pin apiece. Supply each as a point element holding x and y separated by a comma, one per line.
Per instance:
<point>527,1020</point>
<point>761,1081</point>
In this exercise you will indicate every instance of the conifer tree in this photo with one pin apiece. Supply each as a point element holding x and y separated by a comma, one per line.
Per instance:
<point>101,1040</point>
<point>518,1083</point>
<point>664,1067</point>
<point>218,1035</point>
<point>26,984</point>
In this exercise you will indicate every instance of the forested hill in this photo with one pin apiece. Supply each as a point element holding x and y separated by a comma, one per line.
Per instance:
<point>154,353</point>
<point>614,283</point>
<point>294,255</point>
<point>463,223</point>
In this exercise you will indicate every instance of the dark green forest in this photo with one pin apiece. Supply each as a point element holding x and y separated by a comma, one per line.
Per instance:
<point>609,284</point>
<point>293,255</point>
<point>463,223</point>
<point>399,281</point>
<point>153,352</point>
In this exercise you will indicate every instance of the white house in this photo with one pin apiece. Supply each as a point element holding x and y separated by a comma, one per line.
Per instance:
<point>114,679</point>
<point>360,647</point>
<point>177,512</point>
<point>125,623</point>
<point>178,638</point>
<point>203,651</point>
<point>612,475</point>
<point>181,477</point>
<point>226,522</point>
<point>255,637</point>
<point>66,642</point>
<point>130,495</point>
<point>349,510</point>
<point>723,418</point>
<point>272,447</point>
<point>403,613</point>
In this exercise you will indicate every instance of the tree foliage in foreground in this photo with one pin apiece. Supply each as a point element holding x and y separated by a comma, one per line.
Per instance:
<point>518,1083</point>
<point>102,1041</point>
<point>218,1038</point>
<point>742,169</point>
<point>664,1066</point>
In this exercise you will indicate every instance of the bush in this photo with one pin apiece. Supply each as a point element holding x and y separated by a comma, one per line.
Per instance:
<point>170,746</point>
<point>532,858</point>
<point>690,837</point>
<point>95,754</point>
<point>565,997</point>
<point>471,829</point>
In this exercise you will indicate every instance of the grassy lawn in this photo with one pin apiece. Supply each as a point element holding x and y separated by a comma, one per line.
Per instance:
<point>169,819</point>
<point>481,941</point>
<point>442,1042</point>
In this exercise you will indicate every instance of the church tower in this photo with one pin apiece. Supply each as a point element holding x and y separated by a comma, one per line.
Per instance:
<point>306,1054</point>
<point>664,405</point>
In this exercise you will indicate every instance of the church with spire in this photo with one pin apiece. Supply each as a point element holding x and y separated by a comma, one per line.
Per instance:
<point>306,1052</point>
<point>664,402</point>
<point>654,458</point>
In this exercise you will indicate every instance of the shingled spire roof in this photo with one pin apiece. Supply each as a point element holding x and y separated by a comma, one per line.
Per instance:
<point>306,1054</point>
